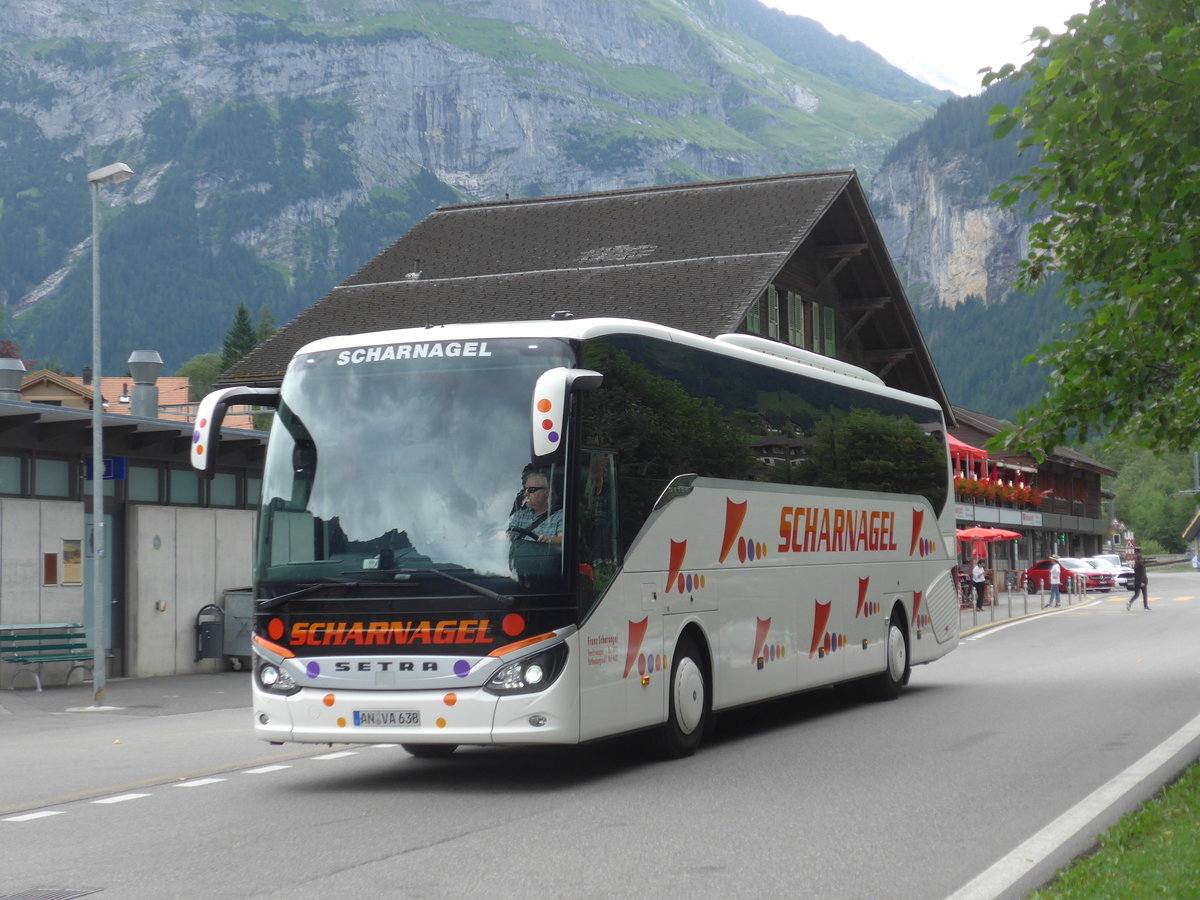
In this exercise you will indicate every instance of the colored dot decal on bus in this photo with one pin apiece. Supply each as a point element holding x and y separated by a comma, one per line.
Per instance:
<point>513,624</point>
<point>543,405</point>
<point>341,723</point>
<point>313,669</point>
<point>688,582</point>
<point>440,723</point>
<point>195,437</point>
<point>450,699</point>
<point>749,550</point>
<point>328,700</point>
<point>462,668</point>
<point>641,663</point>
<point>649,665</point>
<point>275,629</point>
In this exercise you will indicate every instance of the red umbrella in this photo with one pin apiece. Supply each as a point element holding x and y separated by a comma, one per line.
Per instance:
<point>979,533</point>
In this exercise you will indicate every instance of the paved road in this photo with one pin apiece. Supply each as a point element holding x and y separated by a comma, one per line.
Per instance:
<point>818,795</point>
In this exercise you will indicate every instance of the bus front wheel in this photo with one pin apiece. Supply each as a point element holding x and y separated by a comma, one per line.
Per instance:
<point>688,702</point>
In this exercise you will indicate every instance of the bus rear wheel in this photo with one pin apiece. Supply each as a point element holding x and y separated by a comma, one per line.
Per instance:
<point>886,685</point>
<point>688,703</point>
<point>429,751</point>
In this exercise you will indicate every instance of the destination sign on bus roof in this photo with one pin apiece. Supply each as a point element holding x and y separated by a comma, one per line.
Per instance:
<point>423,350</point>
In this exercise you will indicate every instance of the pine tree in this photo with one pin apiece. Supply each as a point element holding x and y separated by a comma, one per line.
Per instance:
<point>266,325</point>
<point>239,340</point>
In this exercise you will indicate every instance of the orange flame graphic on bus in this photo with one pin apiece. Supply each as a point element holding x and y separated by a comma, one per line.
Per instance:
<point>678,551</point>
<point>760,638</point>
<point>820,620</point>
<point>917,520</point>
<point>637,634</point>
<point>735,514</point>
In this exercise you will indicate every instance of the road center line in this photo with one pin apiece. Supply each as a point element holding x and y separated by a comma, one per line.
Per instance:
<point>1008,869</point>
<point>121,798</point>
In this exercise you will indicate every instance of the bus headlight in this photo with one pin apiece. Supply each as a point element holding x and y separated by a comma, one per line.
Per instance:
<point>534,673</point>
<point>276,680</point>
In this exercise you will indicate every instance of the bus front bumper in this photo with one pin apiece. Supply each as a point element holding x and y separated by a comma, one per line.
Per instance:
<point>465,716</point>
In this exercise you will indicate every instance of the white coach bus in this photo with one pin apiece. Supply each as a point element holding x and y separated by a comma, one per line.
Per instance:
<point>561,530</point>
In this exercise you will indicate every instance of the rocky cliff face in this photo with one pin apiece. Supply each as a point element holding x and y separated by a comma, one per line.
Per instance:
<point>481,97</point>
<point>948,242</point>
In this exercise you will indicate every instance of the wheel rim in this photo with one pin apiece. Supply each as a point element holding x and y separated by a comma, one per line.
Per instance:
<point>689,695</point>
<point>897,654</point>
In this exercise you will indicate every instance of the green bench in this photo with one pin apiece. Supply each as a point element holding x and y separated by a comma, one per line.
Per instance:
<point>29,646</point>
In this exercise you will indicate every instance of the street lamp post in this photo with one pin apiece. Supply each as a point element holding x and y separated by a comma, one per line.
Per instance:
<point>112,174</point>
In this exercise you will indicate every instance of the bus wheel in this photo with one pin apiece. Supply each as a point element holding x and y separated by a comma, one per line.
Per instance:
<point>887,684</point>
<point>429,751</point>
<point>688,703</point>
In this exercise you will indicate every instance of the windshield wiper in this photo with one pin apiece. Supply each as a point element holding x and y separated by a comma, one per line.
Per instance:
<point>502,599</point>
<point>269,604</point>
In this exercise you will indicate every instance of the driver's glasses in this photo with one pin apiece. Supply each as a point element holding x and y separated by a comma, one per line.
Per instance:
<point>534,490</point>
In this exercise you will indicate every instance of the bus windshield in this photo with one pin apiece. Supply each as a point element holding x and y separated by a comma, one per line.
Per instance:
<point>406,464</point>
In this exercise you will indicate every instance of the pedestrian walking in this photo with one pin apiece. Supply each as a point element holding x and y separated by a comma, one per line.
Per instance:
<point>979,579</point>
<point>1140,582</point>
<point>1055,577</point>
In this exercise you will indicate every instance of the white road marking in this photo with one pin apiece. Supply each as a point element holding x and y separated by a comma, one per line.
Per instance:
<point>263,770</point>
<point>337,755</point>
<point>28,817</point>
<point>1031,618</point>
<point>121,798</point>
<point>199,782</point>
<point>1008,869</point>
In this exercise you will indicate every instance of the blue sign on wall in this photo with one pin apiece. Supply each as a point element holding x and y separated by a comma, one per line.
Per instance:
<point>115,468</point>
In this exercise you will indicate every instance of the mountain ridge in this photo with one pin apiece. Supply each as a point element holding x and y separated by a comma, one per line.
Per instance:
<point>279,147</point>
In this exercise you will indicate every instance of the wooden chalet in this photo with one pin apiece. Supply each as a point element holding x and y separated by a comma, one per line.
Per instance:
<point>794,258</point>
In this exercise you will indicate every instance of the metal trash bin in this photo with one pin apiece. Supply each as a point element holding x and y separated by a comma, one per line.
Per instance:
<point>239,622</point>
<point>210,632</point>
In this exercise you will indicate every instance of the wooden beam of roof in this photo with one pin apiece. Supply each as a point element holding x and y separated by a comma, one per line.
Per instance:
<point>842,251</point>
<point>868,308</point>
<point>866,304</point>
<point>888,359</point>
<point>841,263</point>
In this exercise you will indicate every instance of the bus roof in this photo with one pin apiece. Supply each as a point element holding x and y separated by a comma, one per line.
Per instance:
<point>742,346</point>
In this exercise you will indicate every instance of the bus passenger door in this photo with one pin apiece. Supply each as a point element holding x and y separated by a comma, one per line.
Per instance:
<point>621,639</point>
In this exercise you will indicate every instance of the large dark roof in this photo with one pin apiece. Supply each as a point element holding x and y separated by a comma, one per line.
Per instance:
<point>691,256</point>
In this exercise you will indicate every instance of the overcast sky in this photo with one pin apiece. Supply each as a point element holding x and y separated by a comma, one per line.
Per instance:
<point>941,42</point>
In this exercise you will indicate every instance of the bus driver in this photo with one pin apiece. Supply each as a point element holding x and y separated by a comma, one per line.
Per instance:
<point>535,519</point>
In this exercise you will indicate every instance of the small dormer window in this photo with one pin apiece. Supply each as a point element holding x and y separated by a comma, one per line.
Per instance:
<point>124,398</point>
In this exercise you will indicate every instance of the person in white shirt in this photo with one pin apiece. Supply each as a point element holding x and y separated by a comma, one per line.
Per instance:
<point>1055,577</point>
<point>979,579</point>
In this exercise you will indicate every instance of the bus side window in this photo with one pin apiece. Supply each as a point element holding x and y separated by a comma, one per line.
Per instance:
<point>599,547</point>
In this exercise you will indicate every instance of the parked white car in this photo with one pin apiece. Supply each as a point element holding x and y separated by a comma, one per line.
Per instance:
<point>1111,563</point>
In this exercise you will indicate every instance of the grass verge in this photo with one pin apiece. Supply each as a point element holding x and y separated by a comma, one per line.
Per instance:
<point>1154,852</point>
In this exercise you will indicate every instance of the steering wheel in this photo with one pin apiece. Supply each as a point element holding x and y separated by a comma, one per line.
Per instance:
<point>524,532</point>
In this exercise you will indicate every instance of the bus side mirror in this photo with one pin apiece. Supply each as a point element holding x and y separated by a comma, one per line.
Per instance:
<point>206,432</point>
<point>549,411</point>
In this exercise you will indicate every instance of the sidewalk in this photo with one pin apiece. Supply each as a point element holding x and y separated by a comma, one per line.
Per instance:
<point>1013,605</point>
<point>124,698</point>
